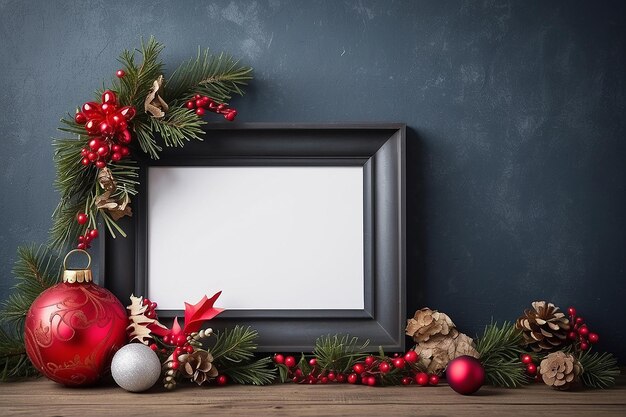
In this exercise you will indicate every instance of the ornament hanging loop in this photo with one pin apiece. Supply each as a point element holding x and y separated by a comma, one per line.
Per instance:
<point>77,275</point>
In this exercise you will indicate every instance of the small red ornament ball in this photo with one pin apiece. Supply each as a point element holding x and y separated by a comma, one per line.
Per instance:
<point>465,375</point>
<point>120,73</point>
<point>411,356</point>
<point>82,218</point>
<point>221,380</point>
<point>290,361</point>
<point>421,379</point>
<point>73,329</point>
<point>593,338</point>
<point>433,379</point>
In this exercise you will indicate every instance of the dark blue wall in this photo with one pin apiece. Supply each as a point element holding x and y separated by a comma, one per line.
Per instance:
<point>516,177</point>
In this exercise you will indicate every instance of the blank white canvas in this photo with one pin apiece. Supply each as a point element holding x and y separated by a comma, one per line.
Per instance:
<point>268,237</point>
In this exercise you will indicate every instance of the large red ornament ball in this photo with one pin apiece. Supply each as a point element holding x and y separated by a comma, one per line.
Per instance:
<point>73,329</point>
<point>465,375</point>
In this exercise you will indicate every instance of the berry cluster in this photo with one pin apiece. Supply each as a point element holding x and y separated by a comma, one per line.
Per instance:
<point>581,336</point>
<point>203,103</point>
<point>372,371</point>
<point>531,366</point>
<point>107,126</point>
<point>84,240</point>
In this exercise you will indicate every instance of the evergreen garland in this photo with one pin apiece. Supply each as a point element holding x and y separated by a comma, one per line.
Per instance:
<point>218,77</point>
<point>599,369</point>
<point>500,349</point>
<point>36,269</point>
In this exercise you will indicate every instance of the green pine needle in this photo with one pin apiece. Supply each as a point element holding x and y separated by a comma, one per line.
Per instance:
<point>218,77</point>
<point>257,372</point>
<point>36,269</point>
<point>500,349</point>
<point>339,353</point>
<point>599,369</point>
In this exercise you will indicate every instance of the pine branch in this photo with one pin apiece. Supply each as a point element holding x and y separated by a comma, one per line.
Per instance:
<point>36,269</point>
<point>258,372</point>
<point>500,350</point>
<point>218,77</point>
<point>599,369</point>
<point>339,353</point>
<point>14,362</point>
<point>234,345</point>
<point>179,125</point>
<point>133,88</point>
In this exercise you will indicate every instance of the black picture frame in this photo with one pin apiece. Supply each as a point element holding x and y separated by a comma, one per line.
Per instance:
<point>378,147</point>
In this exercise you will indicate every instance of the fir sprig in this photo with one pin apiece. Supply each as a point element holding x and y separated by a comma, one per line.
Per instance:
<point>599,369</point>
<point>255,372</point>
<point>500,349</point>
<point>218,77</point>
<point>36,269</point>
<point>339,353</point>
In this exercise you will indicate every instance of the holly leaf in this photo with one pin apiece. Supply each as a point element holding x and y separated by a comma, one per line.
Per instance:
<point>196,315</point>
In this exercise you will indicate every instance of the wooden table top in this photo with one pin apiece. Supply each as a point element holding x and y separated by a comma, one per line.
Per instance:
<point>41,398</point>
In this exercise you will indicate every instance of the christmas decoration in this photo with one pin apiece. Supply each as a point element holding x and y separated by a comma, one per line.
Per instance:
<point>198,366</point>
<point>427,323</point>
<point>438,341</point>
<point>465,375</point>
<point>73,328</point>
<point>500,353</point>
<point>544,327</point>
<point>136,367</point>
<point>141,111</point>
<point>560,370</point>
<point>580,335</point>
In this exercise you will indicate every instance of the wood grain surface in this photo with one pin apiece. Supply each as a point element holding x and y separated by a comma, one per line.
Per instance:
<point>44,398</point>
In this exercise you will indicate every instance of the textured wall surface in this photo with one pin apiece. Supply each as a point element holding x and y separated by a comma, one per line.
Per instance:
<point>516,174</point>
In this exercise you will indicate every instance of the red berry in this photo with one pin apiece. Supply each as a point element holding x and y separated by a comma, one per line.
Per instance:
<point>358,368</point>
<point>150,314</point>
<point>411,356</point>
<point>181,339</point>
<point>167,338</point>
<point>526,359</point>
<point>369,361</point>
<point>84,152</point>
<point>92,156</point>
<point>290,361</point>
<point>579,320</point>
<point>100,164</point>
<point>94,233</point>
<point>190,105</point>
<point>124,137</point>
<point>120,73</point>
<point>87,237</point>
<point>324,380</point>
<point>230,116</point>
<point>153,305</point>
<point>197,96</point>
<point>406,381</point>
<point>433,379</point>
<point>399,363</point>
<point>81,246</point>
<point>572,335</point>
<point>124,151</point>
<point>593,338</point>
<point>583,331</point>
<point>80,118</point>
<point>571,311</point>
<point>332,376</point>
<point>189,349</point>
<point>312,379</point>
<point>278,358</point>
<point>82,218</point>
<point>116,156</point>
<point>531,368</point>
<point>200,111</point>
<point>175,365</point>
<point>384,367</point>
<point>353,378</point>
<point>421,379</point>
<point>221,380</point>
<point>154,347</point>
<point>584,345</point>
<point>313,362</point>
<point>298,372</point>
<point>371,381</point>
<point>81,239</point>
<point>103,150</point>
<point>341,378</point>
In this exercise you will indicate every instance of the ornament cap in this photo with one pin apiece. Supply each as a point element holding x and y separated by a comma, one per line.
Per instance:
<point>77,275</point>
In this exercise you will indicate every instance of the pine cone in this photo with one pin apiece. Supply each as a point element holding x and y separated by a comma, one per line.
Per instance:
<point>560,370</point>
<point>441,349</point>
<point>544,326</point>
<point>427,323</point>
<point>198,366</point>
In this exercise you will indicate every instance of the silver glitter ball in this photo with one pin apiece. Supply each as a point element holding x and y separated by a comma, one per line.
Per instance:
<point>136,367</point>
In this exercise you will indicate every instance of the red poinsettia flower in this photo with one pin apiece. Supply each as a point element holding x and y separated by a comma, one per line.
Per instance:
<point>195,316</point>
